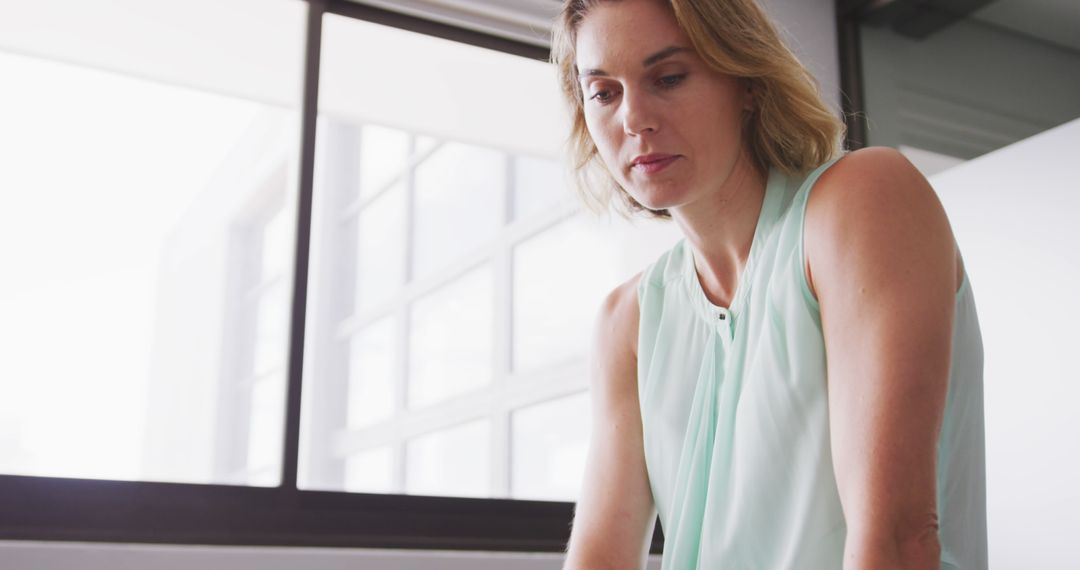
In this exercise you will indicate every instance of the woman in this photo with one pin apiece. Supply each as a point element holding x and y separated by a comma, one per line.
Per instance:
<point>798,382</point>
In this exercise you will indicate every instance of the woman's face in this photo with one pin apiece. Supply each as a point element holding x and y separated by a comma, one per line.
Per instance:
<point>666,125</point>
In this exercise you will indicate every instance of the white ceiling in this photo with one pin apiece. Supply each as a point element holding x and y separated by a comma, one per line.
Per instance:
<point>1055,21</point>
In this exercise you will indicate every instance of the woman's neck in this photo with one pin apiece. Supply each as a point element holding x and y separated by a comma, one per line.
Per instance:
<point>720,229</point>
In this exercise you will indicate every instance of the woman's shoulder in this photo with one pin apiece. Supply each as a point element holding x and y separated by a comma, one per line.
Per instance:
<point>868,173</point>
<point>868,186</point>
<point>617,323</point>
<point>868,204</point>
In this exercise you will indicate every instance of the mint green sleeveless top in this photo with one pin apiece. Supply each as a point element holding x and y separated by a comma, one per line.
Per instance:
<point>735,412</point>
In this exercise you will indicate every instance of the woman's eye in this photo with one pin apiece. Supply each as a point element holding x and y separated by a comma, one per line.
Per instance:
<point>602,96</point>
<point>669,81</point>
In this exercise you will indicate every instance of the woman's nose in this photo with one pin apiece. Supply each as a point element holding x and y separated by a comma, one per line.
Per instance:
<point>638,115</point>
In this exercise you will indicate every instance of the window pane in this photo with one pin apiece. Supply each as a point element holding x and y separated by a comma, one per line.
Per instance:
<point>560,278</point>
<point>380,265</point>
<point>455,462</point>
<point>459,193</point>
<point>434,258</point>
<point>425,144</point>
<point>272,328</point>
<point>267,423</point>
<point>146,232</point>
<point>450,345</point>
<point>384,152</point>
<point>539,184</point>
<point>372,374</point>
<point>277,245</point>
<point>370,471</point>
<point>550,441</point>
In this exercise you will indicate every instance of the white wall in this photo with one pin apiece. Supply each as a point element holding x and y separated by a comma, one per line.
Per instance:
<point>1014,212</point>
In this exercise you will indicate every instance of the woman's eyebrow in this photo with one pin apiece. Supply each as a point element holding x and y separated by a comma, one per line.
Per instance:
<point>651,60</point>
<point>662,55</point>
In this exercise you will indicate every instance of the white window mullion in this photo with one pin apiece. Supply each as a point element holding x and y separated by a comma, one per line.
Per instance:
<point>401,395</point>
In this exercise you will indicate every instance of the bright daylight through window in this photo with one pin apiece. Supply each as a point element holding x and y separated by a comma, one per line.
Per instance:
<point>147,232</point>
<point>454,281</point>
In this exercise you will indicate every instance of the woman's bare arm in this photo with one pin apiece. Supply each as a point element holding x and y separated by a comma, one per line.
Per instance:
<point>613,519</point>
<point>883,264</point>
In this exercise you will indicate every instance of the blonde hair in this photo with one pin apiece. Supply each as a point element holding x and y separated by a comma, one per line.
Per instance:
<point>790,127</point>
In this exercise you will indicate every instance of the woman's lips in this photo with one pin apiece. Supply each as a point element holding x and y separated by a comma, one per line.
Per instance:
<point>653,163</point>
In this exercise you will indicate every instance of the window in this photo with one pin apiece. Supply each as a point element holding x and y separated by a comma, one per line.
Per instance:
<point>248,450</point>
<point>457,285</point>
<point>433,226</point>
<point>148,214</point>
<point>551,450</point>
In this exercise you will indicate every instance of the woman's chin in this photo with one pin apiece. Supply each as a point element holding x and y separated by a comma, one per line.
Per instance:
<point>657,202</point>
<point>659,197</point>
<point>655,207</point>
